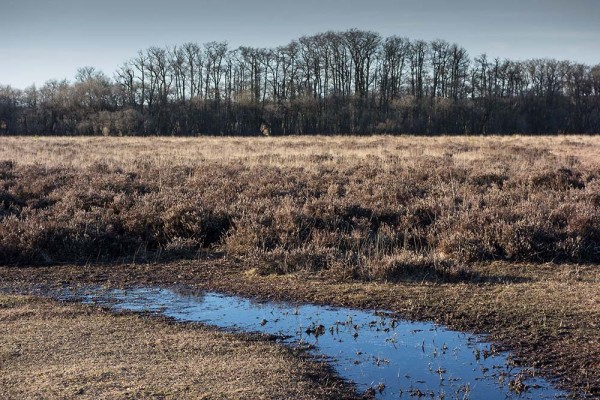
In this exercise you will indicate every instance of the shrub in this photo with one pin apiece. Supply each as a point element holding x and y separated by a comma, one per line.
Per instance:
<point>384,217</point>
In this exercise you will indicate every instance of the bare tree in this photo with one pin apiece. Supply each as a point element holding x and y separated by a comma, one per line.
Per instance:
<point>363,47</point>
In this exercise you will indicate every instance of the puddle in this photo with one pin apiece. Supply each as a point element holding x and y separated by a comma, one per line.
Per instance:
<point>378,352</point>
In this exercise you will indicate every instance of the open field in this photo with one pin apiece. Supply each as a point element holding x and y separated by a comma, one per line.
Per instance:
<point>487,234</point>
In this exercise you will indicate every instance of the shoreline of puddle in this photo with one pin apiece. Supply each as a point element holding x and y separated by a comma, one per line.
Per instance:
<point>380,353</point>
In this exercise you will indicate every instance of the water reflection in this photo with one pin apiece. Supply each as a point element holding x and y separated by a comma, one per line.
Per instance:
<point>382,354</point>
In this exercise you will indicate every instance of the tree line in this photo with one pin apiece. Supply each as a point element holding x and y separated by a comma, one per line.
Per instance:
<point>350,82</point>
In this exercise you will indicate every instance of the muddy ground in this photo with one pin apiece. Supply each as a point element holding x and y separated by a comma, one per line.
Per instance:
<point>548,315</point>
<point>52,350</point>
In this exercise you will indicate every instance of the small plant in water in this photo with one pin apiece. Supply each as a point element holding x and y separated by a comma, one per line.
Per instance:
<point>518,384</point>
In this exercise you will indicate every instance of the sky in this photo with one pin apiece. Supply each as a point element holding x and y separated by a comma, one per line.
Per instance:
<point>51,39</point>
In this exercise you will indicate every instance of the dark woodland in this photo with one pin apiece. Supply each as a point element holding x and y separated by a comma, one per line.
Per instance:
<point>351,82</point>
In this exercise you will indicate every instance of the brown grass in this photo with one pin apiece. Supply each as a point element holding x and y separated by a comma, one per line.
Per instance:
<point>293,151</point>
<point>56,351</point>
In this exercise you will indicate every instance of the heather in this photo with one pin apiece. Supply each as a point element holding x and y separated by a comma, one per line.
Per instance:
<point>373,208</point>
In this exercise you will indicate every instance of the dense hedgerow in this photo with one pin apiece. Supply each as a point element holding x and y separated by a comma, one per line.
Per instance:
<point>380,219</point>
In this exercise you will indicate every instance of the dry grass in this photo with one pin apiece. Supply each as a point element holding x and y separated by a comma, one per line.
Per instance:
<point>294,151</point>
<point>57,351</point>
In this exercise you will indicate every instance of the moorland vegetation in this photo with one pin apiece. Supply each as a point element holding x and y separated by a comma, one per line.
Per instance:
<point>370,208</point>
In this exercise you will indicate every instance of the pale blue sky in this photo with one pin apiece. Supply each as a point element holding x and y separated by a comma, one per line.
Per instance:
<point>45,39</point>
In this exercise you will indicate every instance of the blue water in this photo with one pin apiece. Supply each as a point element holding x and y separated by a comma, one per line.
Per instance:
<point>396,358</point>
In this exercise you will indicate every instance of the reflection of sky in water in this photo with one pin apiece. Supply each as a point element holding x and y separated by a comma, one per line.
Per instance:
<point>367,348</point>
